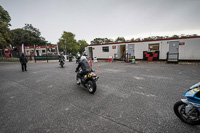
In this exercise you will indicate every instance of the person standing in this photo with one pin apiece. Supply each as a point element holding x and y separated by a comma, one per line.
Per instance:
<point>23,62</point>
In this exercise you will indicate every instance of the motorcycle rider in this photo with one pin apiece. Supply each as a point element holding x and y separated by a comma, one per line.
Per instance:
<point>78,56</point>
<point>61,57</point>
<point>70,57</point>
<point>84,65</point>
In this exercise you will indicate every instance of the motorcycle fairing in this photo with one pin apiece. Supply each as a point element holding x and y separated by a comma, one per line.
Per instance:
<point>192,93</point>
<point>193,100</point>
<point>190,103</point>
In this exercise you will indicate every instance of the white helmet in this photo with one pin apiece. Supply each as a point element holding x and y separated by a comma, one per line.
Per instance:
<point>82,58</point>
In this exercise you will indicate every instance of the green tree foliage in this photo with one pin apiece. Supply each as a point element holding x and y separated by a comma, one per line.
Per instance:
<point>175,36</point>
<point>106,40</point>
<point>28,35</point>
<point>120,39</point>
<point>101,41</point>
<point>5,36</point>
<point>97,41</point>
<point>132,40</point>
<point>148,38</point>
<point>33,30</point>
<point>138,39</point>
<point>68,43</point>
<point>82,44</point>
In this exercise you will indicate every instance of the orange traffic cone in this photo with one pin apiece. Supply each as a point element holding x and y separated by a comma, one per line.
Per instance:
<point>96,69</point>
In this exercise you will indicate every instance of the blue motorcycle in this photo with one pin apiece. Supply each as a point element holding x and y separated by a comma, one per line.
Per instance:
<point>188,110</point>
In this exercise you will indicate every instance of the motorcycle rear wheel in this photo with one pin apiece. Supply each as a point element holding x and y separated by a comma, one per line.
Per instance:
<point>179,110</point>
<point>91,86</point>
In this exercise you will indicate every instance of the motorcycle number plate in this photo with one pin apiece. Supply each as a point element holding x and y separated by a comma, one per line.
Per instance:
<point>89,75</point>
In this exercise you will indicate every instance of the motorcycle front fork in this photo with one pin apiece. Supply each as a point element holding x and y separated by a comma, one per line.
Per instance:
<point>190,106</point>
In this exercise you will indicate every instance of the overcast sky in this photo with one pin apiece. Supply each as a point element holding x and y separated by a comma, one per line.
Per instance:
<point>90,19</point>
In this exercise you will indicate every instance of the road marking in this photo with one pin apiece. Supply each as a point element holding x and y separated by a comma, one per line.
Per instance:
<point>144,94</point>
<point>157,77</point>
<point>139,78</point>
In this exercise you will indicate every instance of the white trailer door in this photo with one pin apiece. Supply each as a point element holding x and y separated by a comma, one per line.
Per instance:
<point>131,51</point>
<point>173,50</point>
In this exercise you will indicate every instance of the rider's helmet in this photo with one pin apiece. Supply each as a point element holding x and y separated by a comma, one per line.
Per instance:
<point>82,58</point>
<point>78,54</point>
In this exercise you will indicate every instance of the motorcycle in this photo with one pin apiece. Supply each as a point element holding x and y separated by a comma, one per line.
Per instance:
<point>78,59</point>
<point>188,110</point>
<point>62,62</point>
<point>70,58</point>
<point>88,81</point>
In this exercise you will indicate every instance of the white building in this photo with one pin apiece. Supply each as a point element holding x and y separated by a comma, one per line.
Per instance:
<point>187,48</point>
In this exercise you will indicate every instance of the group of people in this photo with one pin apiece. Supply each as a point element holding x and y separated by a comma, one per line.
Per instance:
<point>83,64</point>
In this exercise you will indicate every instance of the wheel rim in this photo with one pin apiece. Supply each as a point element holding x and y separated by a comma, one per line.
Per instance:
<point>90,86</point>
<point>192,117</point>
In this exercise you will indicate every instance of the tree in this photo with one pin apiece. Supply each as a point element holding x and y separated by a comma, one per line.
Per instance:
<point>138,39</point>
<point>120,39</point>
<point>106,40</point>
<point>132,40</point>
<point>68,43</point>
<point>5,36</point>
<point>97,41</point>
<point>17,35</point>
<point>101,41</point>
<point>175,36</point>
<point>147,39</point>
<point>194,35</point>
<point>166,37</point>
<point>191,35</point>
<point>28,35</point>
<point>33,30</point>
<point>82,44</point>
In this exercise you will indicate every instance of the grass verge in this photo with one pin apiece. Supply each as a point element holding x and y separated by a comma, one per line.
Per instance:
<point>3,59</point>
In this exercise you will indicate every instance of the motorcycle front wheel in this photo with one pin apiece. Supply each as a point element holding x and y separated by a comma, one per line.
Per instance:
<point>91,85</point>
<point>192,117</point>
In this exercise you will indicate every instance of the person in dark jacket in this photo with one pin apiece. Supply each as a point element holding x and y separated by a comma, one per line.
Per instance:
<point>23,62</point>
<point>85,66</point>
<point>61,57</point>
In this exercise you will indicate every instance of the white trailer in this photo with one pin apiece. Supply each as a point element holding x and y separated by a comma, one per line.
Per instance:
<point>187,48</point>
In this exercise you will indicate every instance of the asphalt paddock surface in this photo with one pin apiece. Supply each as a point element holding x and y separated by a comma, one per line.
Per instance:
<point>129,98</point>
